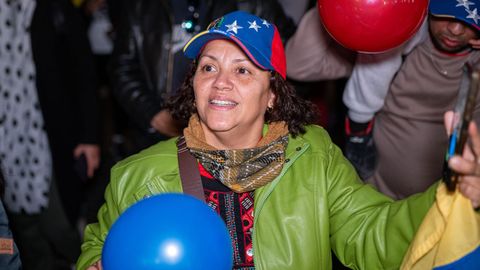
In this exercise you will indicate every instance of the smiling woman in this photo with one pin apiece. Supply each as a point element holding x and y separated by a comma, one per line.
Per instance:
<point>286,193</point>
<point>231,95</point>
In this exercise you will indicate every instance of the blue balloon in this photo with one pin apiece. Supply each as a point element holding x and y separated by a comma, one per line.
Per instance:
<point>168,231</point>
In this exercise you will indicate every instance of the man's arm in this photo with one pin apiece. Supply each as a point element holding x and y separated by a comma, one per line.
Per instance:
<point>368,85</point>
<point>313,55</point>
<point>130,84</point>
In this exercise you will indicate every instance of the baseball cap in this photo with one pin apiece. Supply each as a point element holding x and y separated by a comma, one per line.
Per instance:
<point>465,11</point>
<point>258,39</point>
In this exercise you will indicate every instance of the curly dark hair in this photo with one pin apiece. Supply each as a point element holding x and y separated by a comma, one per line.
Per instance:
<point>288,106</point>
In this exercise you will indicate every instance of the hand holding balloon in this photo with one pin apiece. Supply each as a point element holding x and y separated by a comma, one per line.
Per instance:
<point>168,231</point>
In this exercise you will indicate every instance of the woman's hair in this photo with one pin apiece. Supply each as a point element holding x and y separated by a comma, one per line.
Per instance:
<point>288,107</point>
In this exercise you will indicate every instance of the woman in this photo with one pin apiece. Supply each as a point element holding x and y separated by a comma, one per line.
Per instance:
<point>252,138</point>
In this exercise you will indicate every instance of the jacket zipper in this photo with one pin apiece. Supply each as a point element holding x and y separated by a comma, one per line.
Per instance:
<point>258,206</point>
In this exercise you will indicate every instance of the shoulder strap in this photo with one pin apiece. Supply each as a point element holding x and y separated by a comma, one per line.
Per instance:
<point>189,172</point>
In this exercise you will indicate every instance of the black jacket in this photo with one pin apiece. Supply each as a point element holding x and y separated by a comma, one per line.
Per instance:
<point>142,62</point>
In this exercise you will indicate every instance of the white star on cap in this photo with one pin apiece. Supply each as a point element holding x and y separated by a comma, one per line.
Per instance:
<point>266,23</point>
<point>254,25</point>
<point>233,27</point>
<point>473,15</point>
<point>464,3</point>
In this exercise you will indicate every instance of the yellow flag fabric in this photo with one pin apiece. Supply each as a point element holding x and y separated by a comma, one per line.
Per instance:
<point>77,3</point>
<point>449,236</point>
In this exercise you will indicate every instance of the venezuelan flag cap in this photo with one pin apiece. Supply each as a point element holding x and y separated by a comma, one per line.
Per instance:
<point>463,10</point>
<point>258,39</point>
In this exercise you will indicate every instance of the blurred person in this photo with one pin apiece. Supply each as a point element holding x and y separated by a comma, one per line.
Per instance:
<point>284,190</point>
<point>101,16</point>
<point>9,257</point>
<point>66,83</point>
<point>295,9</point>
<point>148,65</point>
<point>48,136</point>
<point>396,99</point>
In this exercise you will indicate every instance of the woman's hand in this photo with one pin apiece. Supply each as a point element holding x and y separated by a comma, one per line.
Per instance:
<point>467,165</point>
<point>96,266</point>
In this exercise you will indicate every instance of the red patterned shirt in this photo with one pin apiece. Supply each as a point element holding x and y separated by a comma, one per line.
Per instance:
<point>236,209</point>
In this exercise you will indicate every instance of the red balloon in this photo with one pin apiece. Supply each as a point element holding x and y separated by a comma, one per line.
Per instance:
<point>372,26</point>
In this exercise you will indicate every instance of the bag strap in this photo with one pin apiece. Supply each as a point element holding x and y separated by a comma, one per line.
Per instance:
<point>189,172</point>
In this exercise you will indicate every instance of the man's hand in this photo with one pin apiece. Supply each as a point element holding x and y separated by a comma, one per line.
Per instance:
<point>475,43</point>
<point>92,154</point>
<point>164,123</point>
<point>467,165</point>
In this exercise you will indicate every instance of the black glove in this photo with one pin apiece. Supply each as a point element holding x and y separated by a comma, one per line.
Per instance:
<point>359,147</point>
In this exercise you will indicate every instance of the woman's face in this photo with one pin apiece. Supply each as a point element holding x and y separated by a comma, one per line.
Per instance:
<point>231,95</point>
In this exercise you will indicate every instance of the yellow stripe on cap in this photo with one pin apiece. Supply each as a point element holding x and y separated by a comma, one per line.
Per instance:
<point>194,38</point>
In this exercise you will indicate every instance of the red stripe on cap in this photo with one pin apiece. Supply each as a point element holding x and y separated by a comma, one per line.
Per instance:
<point>277,58</point>
<point>247,52</point>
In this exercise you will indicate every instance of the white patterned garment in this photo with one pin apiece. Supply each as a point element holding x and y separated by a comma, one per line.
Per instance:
<point>24,151</point>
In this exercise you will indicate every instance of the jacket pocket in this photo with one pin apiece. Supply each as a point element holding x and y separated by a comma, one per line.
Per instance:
<point>157,185</point>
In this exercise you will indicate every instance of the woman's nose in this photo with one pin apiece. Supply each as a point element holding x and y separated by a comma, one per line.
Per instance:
<point>222,81</point>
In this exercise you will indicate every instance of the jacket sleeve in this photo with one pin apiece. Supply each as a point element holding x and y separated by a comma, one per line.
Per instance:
<point>367,229</point>
<point>313,55</point>
<point>129,77</point>
<point>9,258</point>
<point>368,85</point>
<point>151,172</point>
<point>95,233</point>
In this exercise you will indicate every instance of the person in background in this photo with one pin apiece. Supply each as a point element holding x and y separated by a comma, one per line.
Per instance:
<point>148,66</point>
<point>101,17</point>
<point>9,257</point>
<point>285,191</point>
<point>48,148</point>
<point>401,150</point>
<point>296,9</point>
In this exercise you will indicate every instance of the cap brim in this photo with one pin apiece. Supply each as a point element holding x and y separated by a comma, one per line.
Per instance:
<point>444,9</point>
<point>193,48</point>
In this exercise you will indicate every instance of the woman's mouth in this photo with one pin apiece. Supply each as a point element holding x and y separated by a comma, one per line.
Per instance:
<point>222,103</point>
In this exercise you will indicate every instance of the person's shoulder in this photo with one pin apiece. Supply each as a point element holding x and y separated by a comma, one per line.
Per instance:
<point>474,59</point>
<point>315,130</point>
<point>316,136</point>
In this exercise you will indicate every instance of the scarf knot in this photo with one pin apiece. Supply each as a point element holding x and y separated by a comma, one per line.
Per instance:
<point>241,170</point>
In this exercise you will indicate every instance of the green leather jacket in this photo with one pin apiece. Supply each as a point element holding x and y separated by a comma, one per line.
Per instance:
<point>317,204</point>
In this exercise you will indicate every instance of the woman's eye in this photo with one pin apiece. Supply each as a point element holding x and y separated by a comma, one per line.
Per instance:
<point>208,68</point>
<point>243,70</point>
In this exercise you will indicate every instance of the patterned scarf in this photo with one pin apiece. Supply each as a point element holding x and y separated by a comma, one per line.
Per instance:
<point>241,170</point>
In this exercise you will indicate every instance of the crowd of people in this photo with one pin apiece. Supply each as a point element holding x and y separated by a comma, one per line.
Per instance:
<point>95,91</point>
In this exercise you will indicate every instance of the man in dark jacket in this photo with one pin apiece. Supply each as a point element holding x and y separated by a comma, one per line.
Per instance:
<point>148,65</point>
